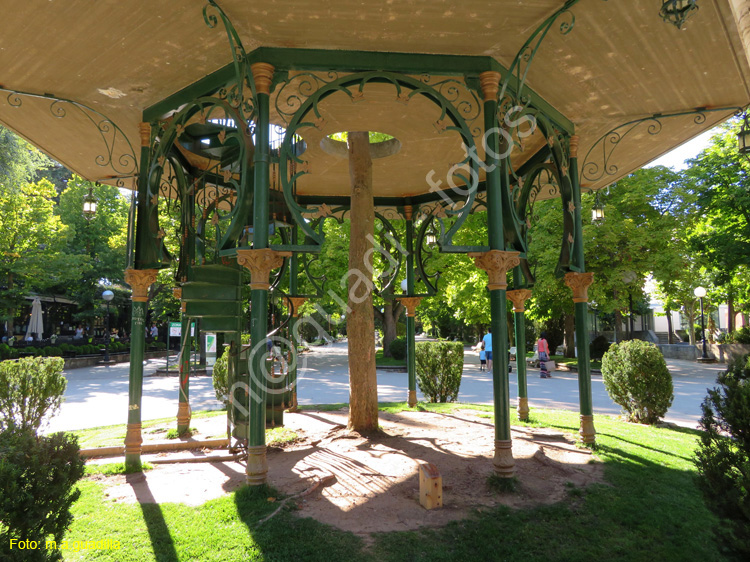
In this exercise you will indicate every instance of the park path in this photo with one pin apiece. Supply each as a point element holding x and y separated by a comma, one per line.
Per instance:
<point>98,396</point>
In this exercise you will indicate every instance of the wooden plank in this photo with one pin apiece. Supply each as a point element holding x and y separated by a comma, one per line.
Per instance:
<point>430,486</point>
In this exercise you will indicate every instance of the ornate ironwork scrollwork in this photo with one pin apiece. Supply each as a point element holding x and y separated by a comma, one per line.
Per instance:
<point>596,164</point>
<point>553,175</point>
<point>294,90</point>
<point>463,98</point>
<point>123,163</point>
<point>390,251</point>
<point>292,166</point>
<point>512,92</point>
<point>233,94</point>
<point>425,249</point>
<point>221,186</point>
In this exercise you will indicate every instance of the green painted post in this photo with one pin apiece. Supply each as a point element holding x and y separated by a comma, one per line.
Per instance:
<point>579,283</point>
<point>411,358</point>
<point>139,280</point>
<point>296,302</point>
<point>257,465</point>
<point>519,297</point>
<point>497,262</point>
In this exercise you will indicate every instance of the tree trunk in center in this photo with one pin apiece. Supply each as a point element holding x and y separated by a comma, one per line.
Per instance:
<point>360,324</point>
<point>570,330</point>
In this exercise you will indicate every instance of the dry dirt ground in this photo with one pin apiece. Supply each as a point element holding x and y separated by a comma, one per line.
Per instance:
<point>376,485</point>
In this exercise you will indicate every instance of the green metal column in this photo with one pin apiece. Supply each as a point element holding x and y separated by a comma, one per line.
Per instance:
<point>257,466</point>
<point>187,262</point>
<point>411,363</point>
<point>519,297</point>
<point>579,283</point>
<point>296,303</point>
<point>139,280</point>
<point>497,262</point>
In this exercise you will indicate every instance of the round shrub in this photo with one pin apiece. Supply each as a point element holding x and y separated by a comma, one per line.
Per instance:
<point>30,389</point>
<point>636,377</point>
<point>37,488</point>
<point>439,368</point>
<point>398,349</point>
<point>599,347</point>
<point>723,455</point>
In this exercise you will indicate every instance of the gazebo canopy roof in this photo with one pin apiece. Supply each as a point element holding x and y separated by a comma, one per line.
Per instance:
<point>619,63</point>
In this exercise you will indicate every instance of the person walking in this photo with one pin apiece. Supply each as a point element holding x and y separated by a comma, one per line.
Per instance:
<point>542,348</point>
<point>487,341</point>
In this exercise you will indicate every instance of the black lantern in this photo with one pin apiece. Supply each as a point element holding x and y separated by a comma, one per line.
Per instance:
<point>743,137</point>
<point>677,12</point>
<point>89,205</point>
<point>597,212</point>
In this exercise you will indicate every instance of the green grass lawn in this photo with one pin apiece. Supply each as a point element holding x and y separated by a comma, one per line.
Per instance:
<point>381,361</point>
<point>649,509</point>
<point>114,435</point>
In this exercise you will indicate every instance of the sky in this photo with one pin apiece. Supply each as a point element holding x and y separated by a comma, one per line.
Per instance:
<point>676,158</point>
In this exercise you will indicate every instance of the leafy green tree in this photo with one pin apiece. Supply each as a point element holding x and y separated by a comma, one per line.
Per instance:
<point>33,242</point>
<point>721,186</point>
<point>99,242</point>
<point>19,161</point>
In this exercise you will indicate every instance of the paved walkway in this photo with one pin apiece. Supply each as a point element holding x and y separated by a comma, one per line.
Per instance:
<point>98,396</point>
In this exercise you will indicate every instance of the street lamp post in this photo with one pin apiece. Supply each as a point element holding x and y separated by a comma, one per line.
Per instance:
<point>107,296</point>
<point>700,292</point>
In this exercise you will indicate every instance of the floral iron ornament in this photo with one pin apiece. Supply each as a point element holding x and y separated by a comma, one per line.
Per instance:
<point>677,12</point>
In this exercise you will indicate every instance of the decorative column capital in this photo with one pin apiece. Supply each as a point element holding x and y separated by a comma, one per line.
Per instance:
<point>411,304</point>
<point>145,130</point>
<point>296,302</point>
<point>260,263</point>
<point>519,297</point>
<point>490,83</point>
<point>579,283</point>
<point>496,263</point>
<point>140,280</point>
<point>408,212</point>
<point>574,146</point>
<point>263,75</point>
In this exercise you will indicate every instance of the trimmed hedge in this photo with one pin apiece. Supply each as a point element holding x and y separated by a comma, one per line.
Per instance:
<point>636,377</point>
<point>398,349</point>
<point>37,479</point>
<point>30,389</point>
<point>439,368</point>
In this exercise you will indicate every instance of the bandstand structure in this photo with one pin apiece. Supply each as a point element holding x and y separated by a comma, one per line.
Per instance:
<point>223,118</point>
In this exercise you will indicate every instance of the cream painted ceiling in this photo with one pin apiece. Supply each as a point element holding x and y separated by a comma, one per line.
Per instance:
<point>620,62</point>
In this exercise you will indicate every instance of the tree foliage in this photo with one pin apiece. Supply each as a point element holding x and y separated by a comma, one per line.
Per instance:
<point>33,243</point>
<point>723,457</point>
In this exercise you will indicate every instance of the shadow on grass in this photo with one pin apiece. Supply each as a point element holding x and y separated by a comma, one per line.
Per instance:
<point>158,531</point>
<point>285,537</point>
<point>642,446</point>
